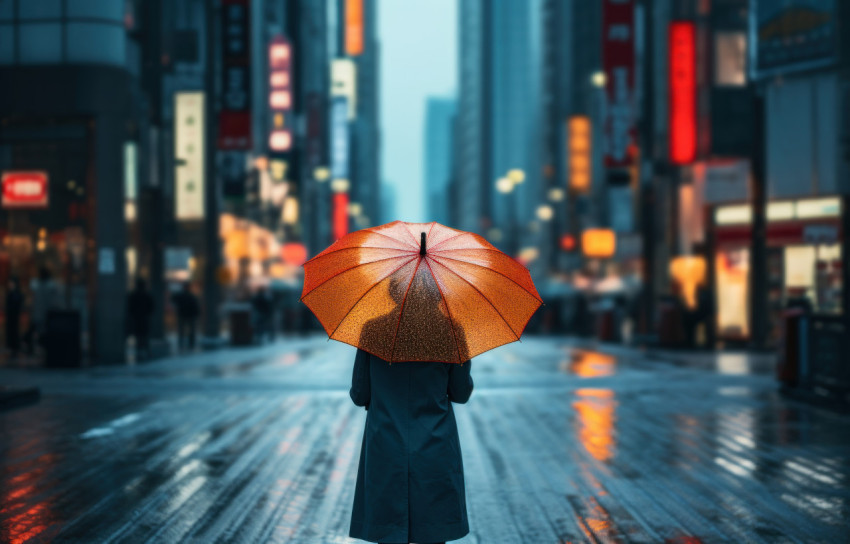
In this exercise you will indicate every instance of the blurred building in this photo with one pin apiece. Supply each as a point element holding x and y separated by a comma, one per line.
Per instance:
<point>439,141</point>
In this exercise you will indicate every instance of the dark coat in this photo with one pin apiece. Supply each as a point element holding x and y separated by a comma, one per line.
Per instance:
<point>410,484</point>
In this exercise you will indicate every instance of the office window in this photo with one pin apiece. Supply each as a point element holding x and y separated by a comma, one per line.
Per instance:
<point>40,43</point>
<point>96,43</point>
<point>730,59</point>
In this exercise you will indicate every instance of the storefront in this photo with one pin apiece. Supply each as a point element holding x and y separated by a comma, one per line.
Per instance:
<point>804,261</point>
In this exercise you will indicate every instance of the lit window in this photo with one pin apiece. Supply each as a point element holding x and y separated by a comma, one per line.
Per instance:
<point>730,54</point>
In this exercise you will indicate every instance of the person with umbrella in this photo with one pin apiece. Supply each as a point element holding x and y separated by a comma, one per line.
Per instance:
<point>418,313</point>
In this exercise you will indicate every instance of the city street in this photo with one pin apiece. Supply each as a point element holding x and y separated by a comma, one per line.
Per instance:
<point>560,444</point>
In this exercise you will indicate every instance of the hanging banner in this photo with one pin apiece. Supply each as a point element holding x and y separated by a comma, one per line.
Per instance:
<point>234,119</point>
<point>618,57</point>
<point>189,155</point>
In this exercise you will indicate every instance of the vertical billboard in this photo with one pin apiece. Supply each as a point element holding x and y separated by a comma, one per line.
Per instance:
<point>234,119</point>
<point>344,83</point>
<point>189,155</point>
<point>353,27</point>
<point>793,35</point>
<point>578,150</point>
<point>683,93</point>
<point>618,57</point>
<point>339,138</point>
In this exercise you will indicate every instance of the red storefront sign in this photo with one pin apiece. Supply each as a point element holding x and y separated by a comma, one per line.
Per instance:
<point>340,215</point>
<point>683,93</point>
<point>618,56</point>
<point>234,119</point>
<point>24,189</point>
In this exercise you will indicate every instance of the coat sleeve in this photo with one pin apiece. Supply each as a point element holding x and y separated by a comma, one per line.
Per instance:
<point>460,382</point>
<point>361,387</point>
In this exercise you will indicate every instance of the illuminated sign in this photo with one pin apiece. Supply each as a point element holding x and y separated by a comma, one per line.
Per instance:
<point>189,154</point>
<point>280,93</point>
<point>340,215</point>
<point>339,138</point>
<point>344,83</point>
<point>234,118</point>
<point>683,93</point>
<point>578,143</point>
<point>598,243</point>
<point>787,210</point>
<point>353,27</point>
<point>618,53</point>
<point>25,189</point>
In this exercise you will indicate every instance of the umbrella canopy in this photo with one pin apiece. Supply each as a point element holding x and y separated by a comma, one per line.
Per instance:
<point>419,292</point>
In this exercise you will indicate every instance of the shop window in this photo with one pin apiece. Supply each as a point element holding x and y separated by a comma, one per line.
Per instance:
<point>730,59</point>
<point>40,43</point>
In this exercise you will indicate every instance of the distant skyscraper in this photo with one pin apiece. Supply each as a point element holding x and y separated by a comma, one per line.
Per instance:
<point>388,204</point>
<point>439,115</point>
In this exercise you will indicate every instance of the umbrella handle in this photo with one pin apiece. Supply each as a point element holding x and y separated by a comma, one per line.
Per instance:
<point>422,245</point>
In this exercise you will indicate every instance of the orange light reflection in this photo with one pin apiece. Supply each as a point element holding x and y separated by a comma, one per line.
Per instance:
<point>595,409</point>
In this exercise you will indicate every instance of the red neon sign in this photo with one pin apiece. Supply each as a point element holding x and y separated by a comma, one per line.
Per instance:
<point>683,93</point>
<point>340,215</point>
<point>24,189</point>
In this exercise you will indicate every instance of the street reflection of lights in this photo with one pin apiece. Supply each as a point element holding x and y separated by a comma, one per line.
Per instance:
<point>322,173</point>
<point>340,185</point>
<point>595,413</point>
<point>592,364</point>
<point>354,209</point>
<point>556,194</point>
<point>598,78</point>
<point>504,185</point>
<point>516,175</point>
<point>545,212</point>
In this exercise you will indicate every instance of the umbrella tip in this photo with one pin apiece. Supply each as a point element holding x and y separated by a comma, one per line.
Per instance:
<point>422,245</point>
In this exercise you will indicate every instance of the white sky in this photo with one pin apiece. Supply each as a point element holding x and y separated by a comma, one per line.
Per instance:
<point>418,59</point>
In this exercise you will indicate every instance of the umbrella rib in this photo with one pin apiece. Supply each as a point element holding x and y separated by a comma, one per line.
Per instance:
<point>367,292</point>
<point>482,296</point>
<point>451,321</point>
<point>536,297</point>
<point>370,231</point>
<point>401,311</point>
<point>438,244</point>
<point>351,268</point>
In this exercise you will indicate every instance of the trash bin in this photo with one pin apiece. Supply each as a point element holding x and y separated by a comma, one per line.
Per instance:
<point>241,328</point>
<point>63,339</point>
<point>790,352</point>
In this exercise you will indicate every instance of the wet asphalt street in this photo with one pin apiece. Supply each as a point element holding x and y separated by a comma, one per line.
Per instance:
<point>559,444</point>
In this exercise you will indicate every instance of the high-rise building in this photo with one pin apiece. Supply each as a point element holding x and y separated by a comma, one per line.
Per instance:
<point>439,140</point>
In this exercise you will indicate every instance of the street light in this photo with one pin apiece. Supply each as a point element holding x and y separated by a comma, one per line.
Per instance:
<point>598,78</point>
<point>545,212</point>
<point>504,185</point>
<point>556,194</point>
<point>516,175</point>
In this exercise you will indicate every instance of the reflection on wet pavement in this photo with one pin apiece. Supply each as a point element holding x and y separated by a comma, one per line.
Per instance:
<point>560,444</point>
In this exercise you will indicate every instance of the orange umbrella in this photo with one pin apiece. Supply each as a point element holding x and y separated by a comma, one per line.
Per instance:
<point>419,292</point>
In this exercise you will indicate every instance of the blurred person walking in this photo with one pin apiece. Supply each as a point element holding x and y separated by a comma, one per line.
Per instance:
<point>188,310</point>
<point>14,307</point>
<point>46,296</point>
<point>140,306</point>
<point>263,311</point>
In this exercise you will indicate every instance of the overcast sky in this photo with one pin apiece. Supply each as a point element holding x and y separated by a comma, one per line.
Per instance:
<point>418,60</point>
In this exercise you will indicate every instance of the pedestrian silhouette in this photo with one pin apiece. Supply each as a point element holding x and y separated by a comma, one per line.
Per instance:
<point>140,307</point>
<point>410,484</point>
<point>263,310</point>
<point>46,296</point>
<point>188,311</point>
<point>14,307</point>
